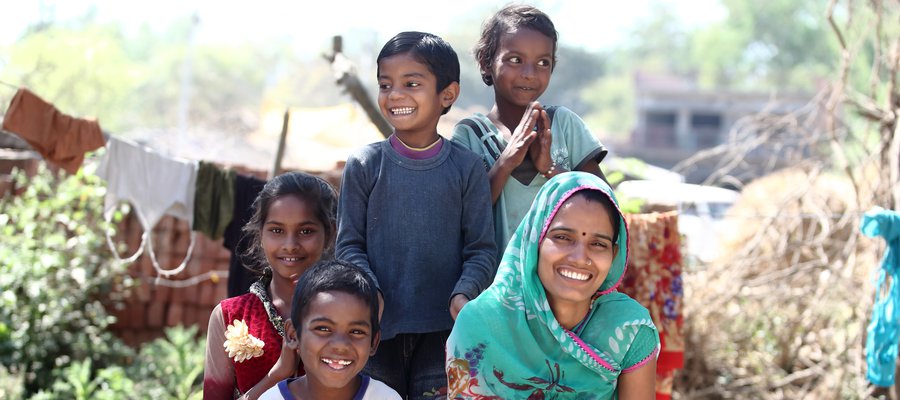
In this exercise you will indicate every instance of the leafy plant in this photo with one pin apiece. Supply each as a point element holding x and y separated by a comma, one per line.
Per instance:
<point>55,276</point>
<point>171,367</point>
<point>76,382</point>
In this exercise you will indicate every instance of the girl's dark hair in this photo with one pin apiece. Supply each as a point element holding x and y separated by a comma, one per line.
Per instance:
<point>339,276</point>
<point>316,192</point>
<point>598,196</point>
<point>507,20</point>
<point>428,49</point>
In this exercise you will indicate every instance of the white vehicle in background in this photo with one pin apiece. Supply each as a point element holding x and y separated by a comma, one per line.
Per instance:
<point>701,211</point>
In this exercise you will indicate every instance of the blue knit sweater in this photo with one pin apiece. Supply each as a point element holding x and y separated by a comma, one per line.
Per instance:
<point>422,228</point>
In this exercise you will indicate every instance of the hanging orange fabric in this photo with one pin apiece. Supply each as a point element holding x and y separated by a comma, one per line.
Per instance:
<point>59,138</point>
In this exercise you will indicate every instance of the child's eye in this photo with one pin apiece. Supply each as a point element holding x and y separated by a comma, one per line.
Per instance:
<point>359,332</point>
<point>515,60</point>
<point>321,329</point>
<point>276,231</point>
<point>307,231</point>
<point>383,86</point>
<point>413,84</point>
<point>544,63</point>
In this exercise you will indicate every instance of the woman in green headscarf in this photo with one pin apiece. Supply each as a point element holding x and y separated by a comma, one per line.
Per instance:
<point>552,325</point>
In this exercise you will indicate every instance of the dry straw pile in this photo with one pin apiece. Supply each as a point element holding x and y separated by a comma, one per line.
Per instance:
<point>783,313</point>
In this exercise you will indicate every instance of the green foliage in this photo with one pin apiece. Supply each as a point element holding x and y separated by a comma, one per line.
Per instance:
<point>84,72</point>
<point>55,275</point>
<point>171,368</point>
<point>777,44</point>
<point>11,384</point>
<point>613,98</point>
<point>79,382</point>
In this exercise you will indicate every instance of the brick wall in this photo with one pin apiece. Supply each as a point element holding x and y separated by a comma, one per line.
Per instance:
<point>153,305</point>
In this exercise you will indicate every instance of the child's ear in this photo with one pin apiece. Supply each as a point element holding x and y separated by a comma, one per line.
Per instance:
<point>375,343</point>
<point>290,335</point>
<point>449,94</point>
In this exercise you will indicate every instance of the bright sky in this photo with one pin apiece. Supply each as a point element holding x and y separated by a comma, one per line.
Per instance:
<point>593,24</point>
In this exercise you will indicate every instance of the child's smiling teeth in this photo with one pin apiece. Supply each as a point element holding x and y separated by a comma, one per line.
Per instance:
<point>291,259</point>
<point>574,275</point>
<point>337,364</point>
<point>402,110</point>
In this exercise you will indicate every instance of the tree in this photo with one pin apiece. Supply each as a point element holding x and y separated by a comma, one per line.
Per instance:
<point>774,44</point>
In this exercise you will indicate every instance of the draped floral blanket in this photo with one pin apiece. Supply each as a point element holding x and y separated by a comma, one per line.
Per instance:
<point>653,278</point>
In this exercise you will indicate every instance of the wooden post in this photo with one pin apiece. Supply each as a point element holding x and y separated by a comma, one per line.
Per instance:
<point>279,154</point>
<point>345,75</point>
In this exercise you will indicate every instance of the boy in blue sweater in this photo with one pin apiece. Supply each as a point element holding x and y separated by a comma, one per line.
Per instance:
<point>415,212</point>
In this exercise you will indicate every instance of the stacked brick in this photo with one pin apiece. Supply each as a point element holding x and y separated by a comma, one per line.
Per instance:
<point>155,305</point>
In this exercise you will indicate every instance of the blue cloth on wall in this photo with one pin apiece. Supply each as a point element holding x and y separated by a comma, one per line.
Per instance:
<point>881,341</point>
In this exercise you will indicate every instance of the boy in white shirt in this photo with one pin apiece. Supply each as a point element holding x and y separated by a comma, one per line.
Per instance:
<point>334,330</point>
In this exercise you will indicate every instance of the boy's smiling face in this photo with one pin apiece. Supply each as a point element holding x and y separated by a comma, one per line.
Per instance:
<point>335,340</point>
<point>409,98</point>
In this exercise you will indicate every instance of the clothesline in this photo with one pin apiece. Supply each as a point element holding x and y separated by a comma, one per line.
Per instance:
<point>122,166</point>
<point>194,280</point>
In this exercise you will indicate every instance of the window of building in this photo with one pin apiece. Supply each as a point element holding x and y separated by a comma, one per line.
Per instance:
<point>707,129</point>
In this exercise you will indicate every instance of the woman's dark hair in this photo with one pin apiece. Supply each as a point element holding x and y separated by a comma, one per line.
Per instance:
<point>428,49</point>
<point>316,192</point>
<point>338,276</point>
<point>598,196</point>
<point>507,20</point>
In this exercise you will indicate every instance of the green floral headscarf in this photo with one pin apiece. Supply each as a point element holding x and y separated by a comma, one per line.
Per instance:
<point>507,343</point>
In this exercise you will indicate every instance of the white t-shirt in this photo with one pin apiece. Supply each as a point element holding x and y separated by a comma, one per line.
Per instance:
<point>370,389</point>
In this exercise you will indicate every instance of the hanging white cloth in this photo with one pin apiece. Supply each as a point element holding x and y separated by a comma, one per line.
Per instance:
<point>155,185</point>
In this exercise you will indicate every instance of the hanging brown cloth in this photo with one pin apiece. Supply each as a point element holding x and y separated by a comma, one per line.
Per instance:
<point>61,139</point>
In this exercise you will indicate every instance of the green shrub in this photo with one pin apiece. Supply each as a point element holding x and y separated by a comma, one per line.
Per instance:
<point>171,368</point>
<point>56,275</point>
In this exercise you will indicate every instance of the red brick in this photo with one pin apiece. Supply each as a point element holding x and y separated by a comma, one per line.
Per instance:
<point>203,245</point>
<point>203,319</point>
<point>148,335</point>
<point>133,233</point>
<point>156,313</point>
<point>142,290</point>
<point>190,315</point>
<point>175,315</point>
<point>180,239</point>
<point>207,293</point>
<point>128,336</point>
<point>178,295</point>
<point>221,292</point>
<point>161,294</point>
<point>120,313</point>
<point>137,315</point>
<point>191,295</point>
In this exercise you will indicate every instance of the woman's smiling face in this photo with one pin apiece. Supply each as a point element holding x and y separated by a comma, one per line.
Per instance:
<point>576,254</point>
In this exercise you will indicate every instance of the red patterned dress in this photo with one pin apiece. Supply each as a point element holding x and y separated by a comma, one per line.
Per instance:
<point>224,377</point>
